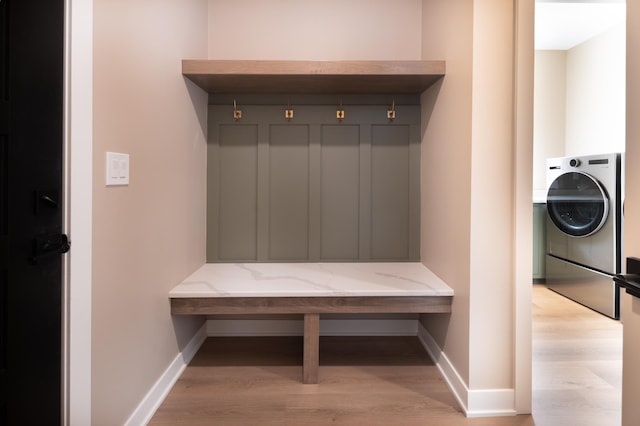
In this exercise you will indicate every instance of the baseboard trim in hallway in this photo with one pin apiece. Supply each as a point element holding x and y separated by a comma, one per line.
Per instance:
<point>161,388</point>
<point>474,403</point>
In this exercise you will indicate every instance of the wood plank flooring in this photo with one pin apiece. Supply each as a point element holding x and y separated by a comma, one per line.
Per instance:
<point>392,381</point>
<point>577,363</point>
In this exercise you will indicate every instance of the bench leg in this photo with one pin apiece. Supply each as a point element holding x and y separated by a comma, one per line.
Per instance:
<point>311,356</point>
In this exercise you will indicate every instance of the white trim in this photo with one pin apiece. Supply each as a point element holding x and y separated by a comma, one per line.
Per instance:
<point>491,403</point>
<point>161,388</point>
<point>446,368</point>
<point>524,16</point>
<point>328,327</point>
<point>78,122</point>
<point>474,403</point>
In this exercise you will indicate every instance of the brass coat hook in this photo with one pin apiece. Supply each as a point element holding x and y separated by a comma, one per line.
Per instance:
<point>391,113</point>
<point>288,112</point>
<point>237,114</point>
<point>340,112</point>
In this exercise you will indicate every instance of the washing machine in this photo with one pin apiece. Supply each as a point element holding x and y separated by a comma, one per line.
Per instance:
<point>584,229</point>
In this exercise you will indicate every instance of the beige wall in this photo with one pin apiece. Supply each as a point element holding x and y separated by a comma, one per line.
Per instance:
<point>595,102</point>
<point>147,236</point>
<point>492,197</point>
<point>631,307</point>
<point>446,170</point>
<point>315,30</point>
<point>524,13</point>
<point>549,111</point>
<point>469,190</point>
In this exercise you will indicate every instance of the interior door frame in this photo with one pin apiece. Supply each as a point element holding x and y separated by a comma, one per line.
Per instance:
<point>78,160</point>
<point>523,67</point>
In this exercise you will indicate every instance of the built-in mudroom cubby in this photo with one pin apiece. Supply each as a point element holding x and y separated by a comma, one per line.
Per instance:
<point>313,199</point>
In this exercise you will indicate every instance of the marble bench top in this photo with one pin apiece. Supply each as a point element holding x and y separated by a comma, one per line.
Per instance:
<point>311,280</point>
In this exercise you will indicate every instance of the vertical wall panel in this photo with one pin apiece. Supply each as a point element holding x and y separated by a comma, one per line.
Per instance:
<point>4,309</point>
<point>4,208</point>
<point>365,192</point>
<point>238,160</point>
<point>340,188</point>
<point>315,190</point>
<point>4,50</point>
<point>4,187</point>
<point>390,192</point>
<point>289,192</point>
<point>263,191</point>
<point>414,191</point>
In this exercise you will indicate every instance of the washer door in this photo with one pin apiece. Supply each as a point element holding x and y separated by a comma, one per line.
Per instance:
<point>577,204</point>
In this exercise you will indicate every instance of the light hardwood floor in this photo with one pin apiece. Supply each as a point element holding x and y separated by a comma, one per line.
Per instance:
<point>577,363</point>
<point>392,381</point>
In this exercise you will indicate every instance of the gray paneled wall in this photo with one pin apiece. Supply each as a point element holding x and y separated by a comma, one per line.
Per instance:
<point>313,188</point>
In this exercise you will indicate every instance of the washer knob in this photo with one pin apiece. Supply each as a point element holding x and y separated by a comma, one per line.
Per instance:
<point>574,162</point>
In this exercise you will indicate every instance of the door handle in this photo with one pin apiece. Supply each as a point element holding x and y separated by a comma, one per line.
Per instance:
<point>46,245</point>
<point>48,200</point>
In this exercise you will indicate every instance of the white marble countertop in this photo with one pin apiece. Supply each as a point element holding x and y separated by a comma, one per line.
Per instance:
<point>311,280</point>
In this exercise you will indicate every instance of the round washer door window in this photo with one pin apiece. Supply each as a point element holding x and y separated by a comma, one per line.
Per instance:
<point>577,204</point>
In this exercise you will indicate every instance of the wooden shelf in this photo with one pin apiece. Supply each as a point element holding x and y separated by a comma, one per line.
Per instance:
<point>225,76</point>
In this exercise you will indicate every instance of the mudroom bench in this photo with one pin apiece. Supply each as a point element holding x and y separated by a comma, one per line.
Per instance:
<point>311,289</point>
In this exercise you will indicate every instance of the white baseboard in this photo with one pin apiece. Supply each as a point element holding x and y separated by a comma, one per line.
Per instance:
<point>474,403</point>
<point>328,327</point>
<point>158,392</point>
<point>491,403</point>
<point>446,368</point>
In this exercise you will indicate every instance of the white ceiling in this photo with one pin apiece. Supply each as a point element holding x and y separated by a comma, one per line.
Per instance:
<point>563,25</point>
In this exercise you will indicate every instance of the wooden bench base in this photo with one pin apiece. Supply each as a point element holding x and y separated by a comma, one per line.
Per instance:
<point>311,289</point>
<point>311,308</point>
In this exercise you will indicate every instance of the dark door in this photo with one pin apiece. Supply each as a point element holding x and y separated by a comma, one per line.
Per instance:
<point>31,144</point>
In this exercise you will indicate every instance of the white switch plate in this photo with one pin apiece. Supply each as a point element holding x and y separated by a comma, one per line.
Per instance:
<point>117,169</point>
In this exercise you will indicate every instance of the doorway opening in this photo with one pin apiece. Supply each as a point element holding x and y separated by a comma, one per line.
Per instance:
<point>579,109</point>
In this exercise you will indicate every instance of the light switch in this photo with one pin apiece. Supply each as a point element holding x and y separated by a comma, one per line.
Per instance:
<point>117,169</point>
